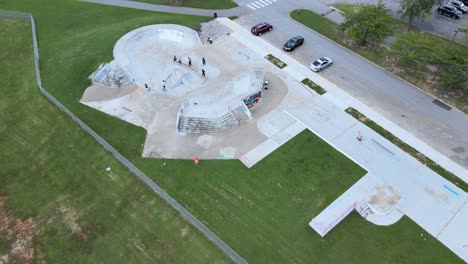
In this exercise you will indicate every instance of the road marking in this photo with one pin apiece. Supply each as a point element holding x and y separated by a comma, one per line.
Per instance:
<point>261,3</point>
<point>254,4</point>
<point>258,3</point>
<point>251,7</point>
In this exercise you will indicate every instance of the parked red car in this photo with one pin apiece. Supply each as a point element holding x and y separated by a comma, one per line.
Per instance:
<point>261,28</point>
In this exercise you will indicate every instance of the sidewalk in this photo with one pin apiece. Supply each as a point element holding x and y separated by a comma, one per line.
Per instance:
<point>428,199</point>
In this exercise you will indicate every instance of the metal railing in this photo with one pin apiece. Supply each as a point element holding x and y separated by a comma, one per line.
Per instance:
<point>158,190</point>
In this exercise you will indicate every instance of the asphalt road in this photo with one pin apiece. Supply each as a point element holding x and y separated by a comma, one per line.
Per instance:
<point>405,105</point>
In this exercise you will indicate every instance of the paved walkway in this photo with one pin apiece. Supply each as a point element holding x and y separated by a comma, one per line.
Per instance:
<point>391,97</point>
<point>431,201</point>
<point>236,11</point>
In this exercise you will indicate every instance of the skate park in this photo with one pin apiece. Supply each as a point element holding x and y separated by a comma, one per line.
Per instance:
<point>286,108</point>
<point>150,83</point>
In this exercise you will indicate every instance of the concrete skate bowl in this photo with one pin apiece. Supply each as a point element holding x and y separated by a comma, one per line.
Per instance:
<point>160,37</point>
<point>147,54</point>
<point>211,114</point>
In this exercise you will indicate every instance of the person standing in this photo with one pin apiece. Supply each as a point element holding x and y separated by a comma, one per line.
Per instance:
<point>203,72</point>
<point>189,62</point>
<point>203,61</point>
<point>175,59</point>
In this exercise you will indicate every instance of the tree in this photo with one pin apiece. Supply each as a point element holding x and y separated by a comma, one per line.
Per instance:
<point>454,70</point>
<point>412,9</point>
<point>464,27</point>
<point>414,50</point>
<point>369,23</point>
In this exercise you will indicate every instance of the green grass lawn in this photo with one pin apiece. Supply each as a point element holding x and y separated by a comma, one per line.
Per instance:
<point>262,213</point>
<point>205,4</point>
<point>53,171</point>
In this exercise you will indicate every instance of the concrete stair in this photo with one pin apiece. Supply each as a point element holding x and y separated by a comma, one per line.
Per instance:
<point>112,75</point>
<point>198,125</point>
<point>363,209</point>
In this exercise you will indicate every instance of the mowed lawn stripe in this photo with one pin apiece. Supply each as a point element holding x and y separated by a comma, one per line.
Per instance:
<point>55,173</point>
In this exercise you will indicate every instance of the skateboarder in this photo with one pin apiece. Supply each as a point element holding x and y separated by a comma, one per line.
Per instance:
<point>359,136</point>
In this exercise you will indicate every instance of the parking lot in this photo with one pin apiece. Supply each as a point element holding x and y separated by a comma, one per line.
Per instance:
<point>435,23</point>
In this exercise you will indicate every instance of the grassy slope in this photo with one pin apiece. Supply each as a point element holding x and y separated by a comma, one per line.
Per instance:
<point>84,36</point>
<point>205,4</point>
<point>263,212</point>
<point>74,38</point>
<point>51,163</point>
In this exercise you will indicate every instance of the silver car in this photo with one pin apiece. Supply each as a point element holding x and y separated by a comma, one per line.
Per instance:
<point>320,64</point>
<point>459,5</point>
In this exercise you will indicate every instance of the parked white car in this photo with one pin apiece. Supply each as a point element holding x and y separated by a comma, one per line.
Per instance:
<point>320,64</point>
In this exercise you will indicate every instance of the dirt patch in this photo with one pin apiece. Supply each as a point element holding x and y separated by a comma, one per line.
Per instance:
<point>71,219</point>
<point>19,235</point>
<point>176,2</point>
<point>184,231</point>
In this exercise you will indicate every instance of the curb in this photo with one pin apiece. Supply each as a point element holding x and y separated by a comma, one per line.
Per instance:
<point>338,44</point>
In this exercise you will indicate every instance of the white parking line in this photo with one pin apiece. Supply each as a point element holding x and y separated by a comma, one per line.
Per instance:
<point>268,1</point>
<point>263,2</point>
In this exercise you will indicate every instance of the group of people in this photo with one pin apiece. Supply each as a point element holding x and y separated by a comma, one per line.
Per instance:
<point>203,73</point>
<point>190,63</point>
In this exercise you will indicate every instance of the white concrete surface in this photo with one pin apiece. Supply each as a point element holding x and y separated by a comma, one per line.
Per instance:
<point>432,202</point>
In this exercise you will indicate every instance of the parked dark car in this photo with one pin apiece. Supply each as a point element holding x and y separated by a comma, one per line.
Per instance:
<point>261,28</point>
<point>459,5</point>
<point>293,43</point>
<point>450,11</point>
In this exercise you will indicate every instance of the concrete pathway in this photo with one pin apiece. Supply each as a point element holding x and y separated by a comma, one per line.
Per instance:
<point>236,11</point>
<point>393,98</point>
<point>432,202</point>
<point>401,103</point>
